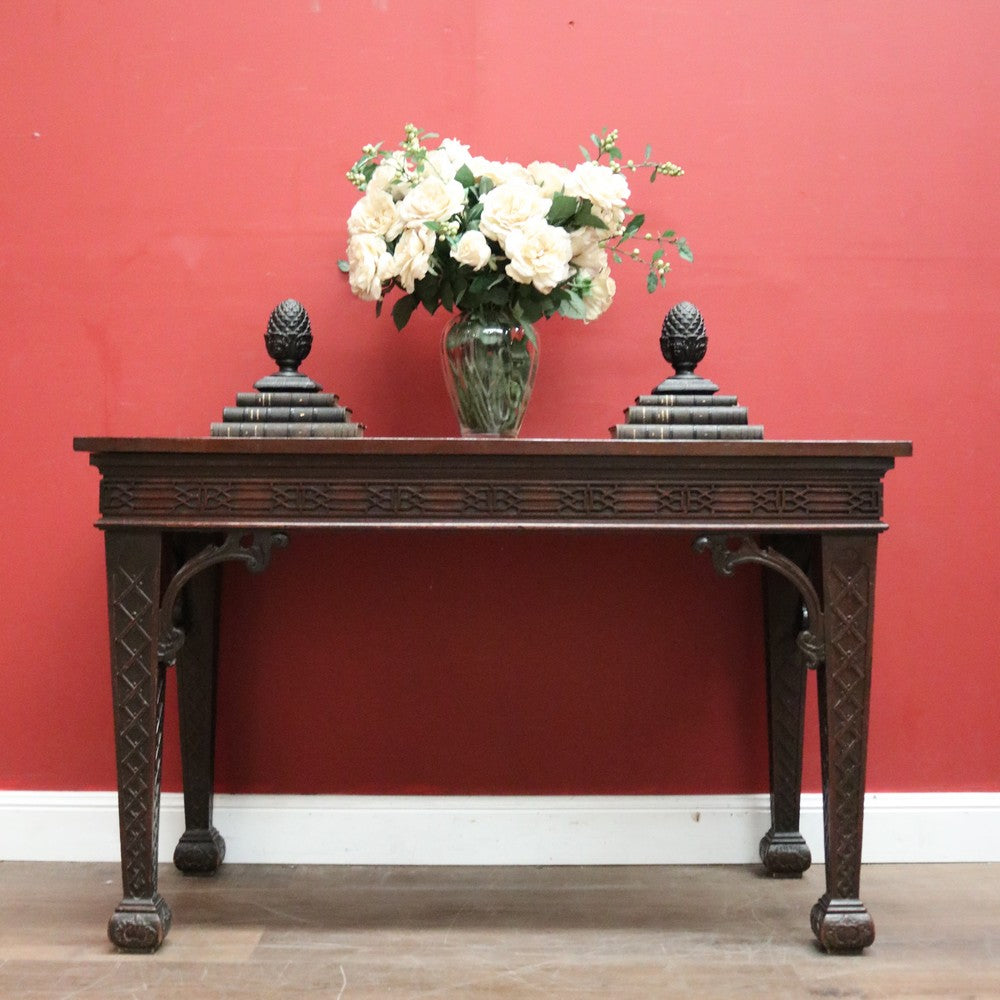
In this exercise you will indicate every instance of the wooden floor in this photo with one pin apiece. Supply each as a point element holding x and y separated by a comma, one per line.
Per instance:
<point>613,932</point>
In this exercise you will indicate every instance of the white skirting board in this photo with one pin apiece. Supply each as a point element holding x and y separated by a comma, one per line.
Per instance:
<point>501,830</point>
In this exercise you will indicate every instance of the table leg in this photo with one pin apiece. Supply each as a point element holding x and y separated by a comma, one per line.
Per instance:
<point>783,849</point>
<point>839,919</point>
<point>201,849</point>
<point>134,561</point>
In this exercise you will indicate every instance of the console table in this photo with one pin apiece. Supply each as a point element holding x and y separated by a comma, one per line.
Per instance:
<point>173,510</point>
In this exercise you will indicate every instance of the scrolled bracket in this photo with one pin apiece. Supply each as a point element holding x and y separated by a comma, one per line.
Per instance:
<point>725,559</point>
<point>253,548</point>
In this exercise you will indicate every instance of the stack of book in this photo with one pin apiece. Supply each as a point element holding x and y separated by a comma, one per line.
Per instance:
<point>286,414</point>
<point>685,406</point>
<point>686,416</point>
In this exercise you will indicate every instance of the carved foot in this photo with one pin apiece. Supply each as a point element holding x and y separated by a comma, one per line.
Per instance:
<point>842,924</point>
<point>784,854</point>
<point>139,924</point>
<point>200,852</point>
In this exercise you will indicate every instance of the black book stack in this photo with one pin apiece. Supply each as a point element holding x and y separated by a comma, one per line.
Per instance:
<point>686,406</point>
<point>287,404</point>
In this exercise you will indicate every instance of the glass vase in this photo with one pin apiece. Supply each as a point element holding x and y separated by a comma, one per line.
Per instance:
<point>490,360</point>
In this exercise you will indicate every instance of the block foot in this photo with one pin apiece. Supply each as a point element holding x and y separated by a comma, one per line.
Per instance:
<point>785,854</point>
<point>139,925</point>
<point>842,925</point>
<point>200,852</point>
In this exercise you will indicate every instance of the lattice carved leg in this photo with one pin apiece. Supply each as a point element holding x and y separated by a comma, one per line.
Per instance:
<point>839,919</point>
<point>201,848</point>
<point>783,850</point>
<point>134,559</point>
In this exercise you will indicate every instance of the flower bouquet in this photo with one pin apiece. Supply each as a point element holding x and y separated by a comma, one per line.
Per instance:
<point>501,244</point>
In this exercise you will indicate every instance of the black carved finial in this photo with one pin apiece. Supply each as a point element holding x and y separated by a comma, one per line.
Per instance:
<point>683,342</point>
<point>288,340</point>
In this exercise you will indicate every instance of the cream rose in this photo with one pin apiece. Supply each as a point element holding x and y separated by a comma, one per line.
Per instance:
<point>375,213</point>
<point>472,250</point>
<point>599,184</point>
<point>510,206</point>
<point>392,175</point>
<point>602,291</point>
<point>499,173</point>
<point>550,177</point>
<point>370,264</point>
<point>539,255</point>
<point>588,254</point>
<point>447,158</point>
<point>411,259</point>
<point>432,200</point>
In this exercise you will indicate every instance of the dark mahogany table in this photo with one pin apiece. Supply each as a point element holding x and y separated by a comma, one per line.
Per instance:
<point>810,512</point>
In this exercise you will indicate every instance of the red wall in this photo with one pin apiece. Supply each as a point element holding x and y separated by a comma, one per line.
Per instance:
<point>170,171</point>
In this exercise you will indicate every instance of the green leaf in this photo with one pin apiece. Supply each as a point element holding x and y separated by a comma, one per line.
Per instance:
<point>465,176</point>
<point>617,257</point>
<point>403,310</point>
<point>615,153</point>
<point>427,290</point>
<point>447,296</point>
<point>485,185</point>
<point>531,309</point>
<point>563,209</point>
<point>586,155</point>
<point>584,216</point>
<point>378,307</point>
<point>344,266</point>
<point>656,256</point>
<point>649,153</point>
<point>573,307</point>
<point>634,225</point>
<point>683,250</point>
<point>667,234</point>
<point>497,295</point>
<point>650,282</point>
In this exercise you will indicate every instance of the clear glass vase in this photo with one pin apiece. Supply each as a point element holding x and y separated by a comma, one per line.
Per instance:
<point>490,360</point>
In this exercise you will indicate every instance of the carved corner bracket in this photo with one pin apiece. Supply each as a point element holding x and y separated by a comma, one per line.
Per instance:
<point>726,556</point>
<point>253,548</point>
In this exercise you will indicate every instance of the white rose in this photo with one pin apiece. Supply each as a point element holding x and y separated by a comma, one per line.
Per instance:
<point>431,200</point>
<point>392,175</point>
<point>602,291</point>
<point>499,173</point>
<point>375,213</point>
<point>550,177</point>
<point>510,206</point>
<point>458,152</point>
<point>411,260</point>
<point>472,250</point>
<point>600,184</point>
<point>539,255</point>
<point>370,264</point>
<point>611,217</point>
<point>447,158</point>
<point>588,254</point>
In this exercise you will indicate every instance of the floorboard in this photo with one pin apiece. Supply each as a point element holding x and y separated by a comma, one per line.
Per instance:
<point>621,933</point>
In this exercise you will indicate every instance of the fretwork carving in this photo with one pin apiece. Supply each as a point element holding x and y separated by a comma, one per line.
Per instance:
<point>252,548</point>
<point>725,559</point>
<point>214,497</point>
<point>393,499</point>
